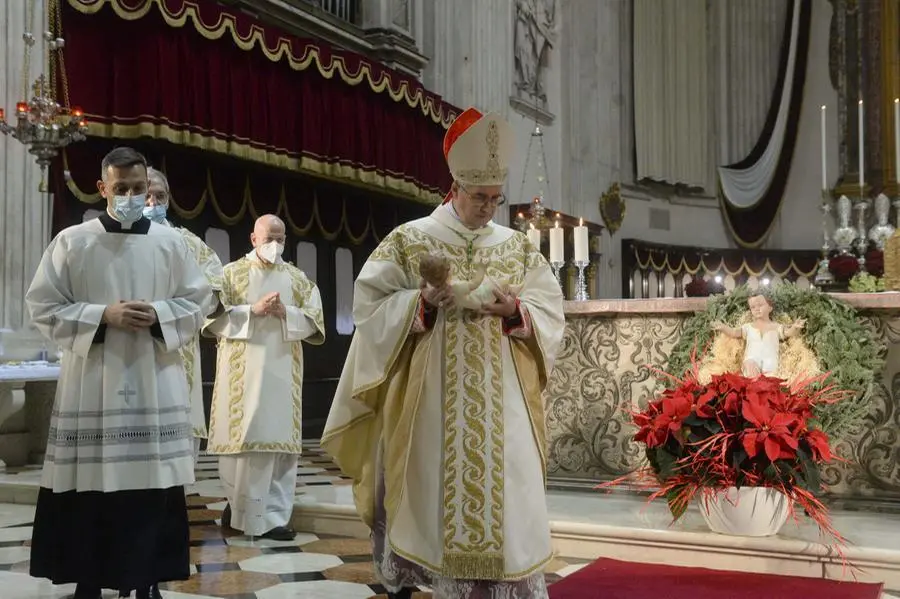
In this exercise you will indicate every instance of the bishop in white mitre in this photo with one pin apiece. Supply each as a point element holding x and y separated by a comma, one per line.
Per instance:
<point>270,307</point>
<point>120,296</point>
<point>156,209</point>
<point>438,415</point>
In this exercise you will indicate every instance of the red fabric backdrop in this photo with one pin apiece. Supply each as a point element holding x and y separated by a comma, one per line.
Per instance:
<point>150,67</point>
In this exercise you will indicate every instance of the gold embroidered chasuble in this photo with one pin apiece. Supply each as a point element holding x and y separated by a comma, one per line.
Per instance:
<point>257,398</point>
<point>452,416</point>
<point>190,353</point>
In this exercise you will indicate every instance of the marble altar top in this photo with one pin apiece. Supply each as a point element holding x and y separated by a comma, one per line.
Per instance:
<point>861,301</point>
<point>29,371</point>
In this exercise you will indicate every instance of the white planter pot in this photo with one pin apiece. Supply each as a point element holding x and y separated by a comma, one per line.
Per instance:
<point>746,512</point>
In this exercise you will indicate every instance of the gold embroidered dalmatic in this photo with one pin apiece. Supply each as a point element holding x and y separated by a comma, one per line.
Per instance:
<point>453,416</point>
<point>190,353</point>
<point>257,398</point>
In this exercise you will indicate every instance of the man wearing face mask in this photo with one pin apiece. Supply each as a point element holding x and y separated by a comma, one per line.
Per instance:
<point>255,424</point>
<point>120,295</point>
<point>158,196</point>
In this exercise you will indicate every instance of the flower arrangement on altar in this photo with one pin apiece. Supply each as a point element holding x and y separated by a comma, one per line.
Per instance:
<point>703,439</point>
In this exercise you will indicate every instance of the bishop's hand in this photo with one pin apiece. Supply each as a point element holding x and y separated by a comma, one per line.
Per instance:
<point>131,316</point>
<point>505,306</point>
<point>437,297</point>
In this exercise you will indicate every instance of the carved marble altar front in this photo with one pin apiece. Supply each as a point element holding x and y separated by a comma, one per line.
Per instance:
<point>606,367</point>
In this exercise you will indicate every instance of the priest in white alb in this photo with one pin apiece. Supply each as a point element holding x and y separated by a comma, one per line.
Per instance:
<point>120,296</point>
<point>270,307</point>
<point>438,415</point>
<point>156,209</point>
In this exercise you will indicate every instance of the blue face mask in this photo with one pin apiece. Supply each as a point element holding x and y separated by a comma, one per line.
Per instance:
<point>129,208</point>
<point>156,213</point>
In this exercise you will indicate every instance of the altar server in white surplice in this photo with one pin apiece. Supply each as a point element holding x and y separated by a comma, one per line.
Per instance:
<point>120,295</point>
<point>157,206</point>
<point>270,307</point>
<point>438,416</point>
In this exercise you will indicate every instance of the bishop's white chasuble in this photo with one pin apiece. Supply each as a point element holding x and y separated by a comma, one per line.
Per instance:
<point>452,416</point>
<point>212,268</point>
<point>257,399</point>
<point>121,420</point>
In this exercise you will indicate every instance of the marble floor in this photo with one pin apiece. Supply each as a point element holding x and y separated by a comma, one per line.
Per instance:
<point>225,564</point>
<point>229,566</point>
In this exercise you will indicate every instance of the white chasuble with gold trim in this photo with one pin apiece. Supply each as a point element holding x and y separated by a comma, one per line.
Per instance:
<point>456,427</point>
<point>190,353</point>
<point>257,403</point>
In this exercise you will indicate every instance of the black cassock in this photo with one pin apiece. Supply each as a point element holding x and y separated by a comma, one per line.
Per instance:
<point>122,540</point>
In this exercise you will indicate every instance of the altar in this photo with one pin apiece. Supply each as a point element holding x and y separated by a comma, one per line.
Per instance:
<point>606,366</point>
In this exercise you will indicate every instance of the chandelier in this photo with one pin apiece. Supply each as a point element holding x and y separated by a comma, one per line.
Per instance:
<point>42,124</point>
<point>537,215</point>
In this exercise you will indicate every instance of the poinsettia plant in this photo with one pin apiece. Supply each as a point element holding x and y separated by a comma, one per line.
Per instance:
<point>735,431</point>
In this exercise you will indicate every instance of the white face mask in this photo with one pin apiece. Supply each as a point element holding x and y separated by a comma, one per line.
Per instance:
<point>128,209</point>
<point>270,251</point>
<point>156,213</point>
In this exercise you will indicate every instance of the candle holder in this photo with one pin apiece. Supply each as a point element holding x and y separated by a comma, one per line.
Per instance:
<point>823,274</point>
<point>556,266</point>
<point>581,292</point>
<point>862,238</point>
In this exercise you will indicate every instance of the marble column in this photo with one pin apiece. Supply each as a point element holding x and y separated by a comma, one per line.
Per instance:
<point>469,44</point>
<point>24,212</point>
<point>596,111</point>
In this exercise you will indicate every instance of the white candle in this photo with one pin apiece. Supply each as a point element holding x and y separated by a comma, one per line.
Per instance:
<point>534,236</point>
<point>862,162</point>
<point>824,154</point>
<point>581,242</point>
<point>556,244</point>
<point>897,140</point>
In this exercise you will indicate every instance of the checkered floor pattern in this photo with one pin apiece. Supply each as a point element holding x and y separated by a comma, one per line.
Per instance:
<point>230,566</point>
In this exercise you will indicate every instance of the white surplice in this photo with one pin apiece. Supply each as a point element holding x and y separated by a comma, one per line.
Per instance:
<point>121,420</point>
<point>462,447</point>
<point>257,399</point>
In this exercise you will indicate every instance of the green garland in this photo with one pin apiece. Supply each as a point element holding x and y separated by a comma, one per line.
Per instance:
<point>834,331</point>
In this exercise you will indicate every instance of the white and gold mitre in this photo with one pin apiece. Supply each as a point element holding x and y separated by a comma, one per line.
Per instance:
<point>478,148</point>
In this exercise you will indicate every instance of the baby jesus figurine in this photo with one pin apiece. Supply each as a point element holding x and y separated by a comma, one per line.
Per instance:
<point>471,295</point>
<point>762,338</point>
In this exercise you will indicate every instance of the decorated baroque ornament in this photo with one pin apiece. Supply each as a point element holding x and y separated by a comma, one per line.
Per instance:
<point>612,208</point>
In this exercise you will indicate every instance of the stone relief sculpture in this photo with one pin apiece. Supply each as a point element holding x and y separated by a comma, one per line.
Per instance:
<point>535,34</point>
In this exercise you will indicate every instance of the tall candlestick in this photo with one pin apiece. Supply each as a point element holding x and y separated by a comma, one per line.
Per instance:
<point>581,242</point>
<point>897,142</point>
<point>824,153</point>
<point>534,236</point>
<point>556,244</point>
<point>862,161</point>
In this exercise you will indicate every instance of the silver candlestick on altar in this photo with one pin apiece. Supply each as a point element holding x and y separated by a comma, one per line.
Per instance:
<point>823,274</point>
<point>556,266</point>
<point>862,237</point>
<point>581,292</point>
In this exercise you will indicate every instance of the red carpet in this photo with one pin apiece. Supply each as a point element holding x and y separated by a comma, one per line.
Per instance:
<point>611,579</point>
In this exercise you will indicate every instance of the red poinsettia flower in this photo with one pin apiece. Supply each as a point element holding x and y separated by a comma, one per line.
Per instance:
<point>705,408</point>
<point>818,444</point>
<point>648,432</point>
<point>675,409</point>
<point>772,434</point>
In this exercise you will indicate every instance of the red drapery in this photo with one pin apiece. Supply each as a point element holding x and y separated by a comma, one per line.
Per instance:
<point>210,190</point>
<point>206,76</point>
